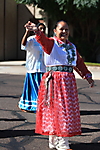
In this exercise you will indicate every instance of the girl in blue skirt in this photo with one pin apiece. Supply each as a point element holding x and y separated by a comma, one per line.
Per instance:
<point>35,68</point>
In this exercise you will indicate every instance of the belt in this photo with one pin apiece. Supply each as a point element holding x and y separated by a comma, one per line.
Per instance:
<point>60,68</point>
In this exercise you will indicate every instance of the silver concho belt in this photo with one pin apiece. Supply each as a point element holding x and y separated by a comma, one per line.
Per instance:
<point>60,68</point>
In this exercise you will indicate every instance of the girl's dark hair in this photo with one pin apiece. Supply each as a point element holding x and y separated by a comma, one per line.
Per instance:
<point>32,32</point>
<point>58,23</point>
<point>39,24</point>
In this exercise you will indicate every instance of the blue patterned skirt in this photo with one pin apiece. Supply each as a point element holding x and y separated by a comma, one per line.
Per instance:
<point>28,100</point>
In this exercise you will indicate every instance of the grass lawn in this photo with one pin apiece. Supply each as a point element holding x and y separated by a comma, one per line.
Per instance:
<point>92,64</point>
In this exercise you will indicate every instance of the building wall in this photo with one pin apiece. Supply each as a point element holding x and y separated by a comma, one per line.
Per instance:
<point>12,19</point>
<point>10,27</point>
<point>2,30</point>
<point>23,15</point>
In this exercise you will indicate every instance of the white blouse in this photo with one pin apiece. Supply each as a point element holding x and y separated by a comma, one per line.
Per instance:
<point>58,56</point>
<point>34,56</point>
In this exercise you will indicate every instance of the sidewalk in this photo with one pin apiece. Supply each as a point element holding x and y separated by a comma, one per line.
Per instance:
<point>13,67</point>
<point>18,67</point>
<point>17,127</point>
<point>12,63</point>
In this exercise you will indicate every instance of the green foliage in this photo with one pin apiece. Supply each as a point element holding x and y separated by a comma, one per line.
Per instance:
<point>85,3</point>
<point>49,6</point>
<point>63,4</point>
<point>24,1</point>
<point>82,15</point>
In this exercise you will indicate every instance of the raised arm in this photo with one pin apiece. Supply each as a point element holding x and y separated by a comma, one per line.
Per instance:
<point>46,43</point>
<point>24,39</point>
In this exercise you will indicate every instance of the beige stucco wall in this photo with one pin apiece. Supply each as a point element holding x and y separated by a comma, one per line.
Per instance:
<point>1,29</point>
<point>12,19</point>
<point>23,16</point>
<point>10,30</point>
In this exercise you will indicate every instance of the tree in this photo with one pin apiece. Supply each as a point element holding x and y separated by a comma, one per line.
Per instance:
<point>62,5</point>
<point>82,15</point>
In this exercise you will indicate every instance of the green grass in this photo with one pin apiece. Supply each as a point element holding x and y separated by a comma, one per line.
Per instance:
<point>92,64</point>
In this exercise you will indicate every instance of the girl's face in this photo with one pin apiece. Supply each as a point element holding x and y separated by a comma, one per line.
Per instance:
<point>42,28</point>
<point>62,31</point>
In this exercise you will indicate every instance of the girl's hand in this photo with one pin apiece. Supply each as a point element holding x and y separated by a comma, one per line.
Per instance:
<point>30,26</point>
<point>90,81</point>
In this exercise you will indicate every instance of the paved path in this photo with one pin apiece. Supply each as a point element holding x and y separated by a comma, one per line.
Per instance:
<point>17,128</point>
<point>18,67</point>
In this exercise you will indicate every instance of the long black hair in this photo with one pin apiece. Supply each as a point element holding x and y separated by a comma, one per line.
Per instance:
<point>39,24</point>
<point>58,23</point>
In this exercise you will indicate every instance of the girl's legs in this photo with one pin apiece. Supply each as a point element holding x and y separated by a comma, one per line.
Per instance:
<point>63,143</point>
<point>52,141</point>
<point>60,143</point>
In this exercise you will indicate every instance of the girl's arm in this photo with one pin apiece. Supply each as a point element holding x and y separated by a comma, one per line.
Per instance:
<point>24,39</point>
<point>83,71</point>
<point>47,43</point>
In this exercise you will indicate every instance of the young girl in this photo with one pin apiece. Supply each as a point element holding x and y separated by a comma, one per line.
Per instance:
<point>58,112</point>
<point>35,69</point>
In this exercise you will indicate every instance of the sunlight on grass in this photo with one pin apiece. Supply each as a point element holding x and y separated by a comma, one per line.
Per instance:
<point>92,64</point>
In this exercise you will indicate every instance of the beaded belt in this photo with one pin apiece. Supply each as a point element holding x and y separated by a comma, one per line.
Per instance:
<point>60,68</point>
